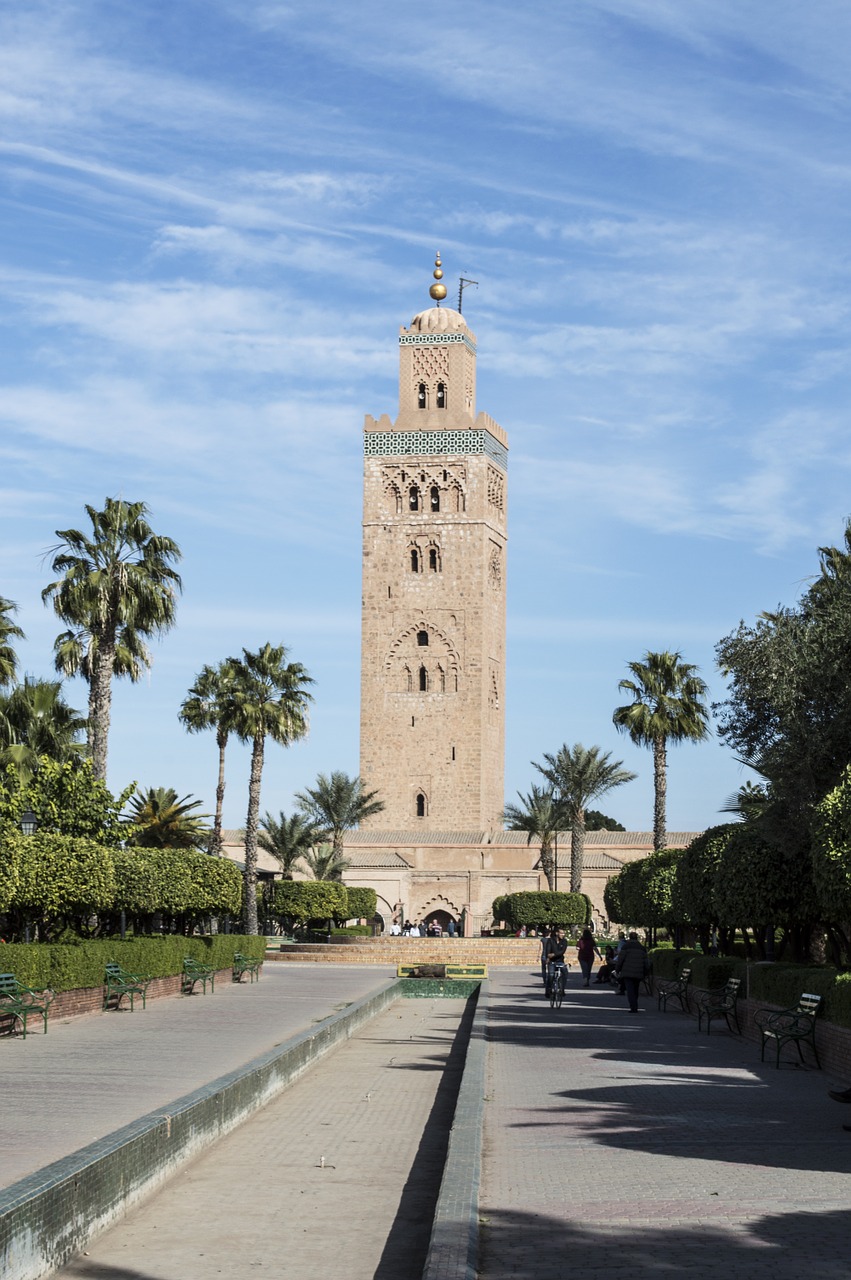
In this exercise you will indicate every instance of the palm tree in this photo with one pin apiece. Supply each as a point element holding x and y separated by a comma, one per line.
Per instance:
<point>324,863</point>
<point>337,804</point>
<point>579,775</point>
<point>269,701</point>
<point>9,631</point>
<point>208,705</point>
<point>163,821</point>
<point>116,588</point>
<point>540,815</point>
<point>35,720</point>
<point>667,706</point>
<point>287,839</point>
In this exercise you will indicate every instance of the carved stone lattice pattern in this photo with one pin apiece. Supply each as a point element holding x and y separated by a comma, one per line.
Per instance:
<point>496,489</point>
<point>431,363</point>
<point>495,568</point>
<point>407,656</point>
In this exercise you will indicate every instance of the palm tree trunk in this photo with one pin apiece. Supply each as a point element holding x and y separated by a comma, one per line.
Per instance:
<point>660,785</point>
<point>100,706</point>
<point>216,842</point>
<point>548,863</point>
<point>250,875</point>
<point>577,851</point>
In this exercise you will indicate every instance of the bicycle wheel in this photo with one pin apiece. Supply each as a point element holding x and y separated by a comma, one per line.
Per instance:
<point>559,990</point>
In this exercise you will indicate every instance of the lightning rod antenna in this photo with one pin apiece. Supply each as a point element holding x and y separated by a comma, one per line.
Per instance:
<point>462,285</point>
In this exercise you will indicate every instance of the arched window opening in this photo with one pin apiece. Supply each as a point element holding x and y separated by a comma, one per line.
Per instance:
<point>441,395</point>
<point>441,679</point>
<point>453,753</point>
<point>415,560</point>
<point>445,476</point>
<point>422,639</point>
<point>421,805</point>
<point>432,559</point>
<point>435,498</point>
<point>409,679</point>
<point>414,498</point>
<point>421,396</point>
<point>423,680</point>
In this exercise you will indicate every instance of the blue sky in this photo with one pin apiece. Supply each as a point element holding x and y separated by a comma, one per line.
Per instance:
<point>216,215</point>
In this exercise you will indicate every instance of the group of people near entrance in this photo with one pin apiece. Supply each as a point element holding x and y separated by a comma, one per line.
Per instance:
<point>432,929</point>
<point>627,964</point>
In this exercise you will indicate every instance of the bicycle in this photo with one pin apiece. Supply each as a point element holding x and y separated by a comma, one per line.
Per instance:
<point>557,984</point>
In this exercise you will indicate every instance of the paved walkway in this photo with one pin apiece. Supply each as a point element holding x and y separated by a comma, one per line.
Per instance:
<point>335,1179</point>
<point>89,1076</point>
<point>620,1146</point>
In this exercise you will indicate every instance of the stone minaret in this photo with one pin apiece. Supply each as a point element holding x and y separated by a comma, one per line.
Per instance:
<point>434,535</point>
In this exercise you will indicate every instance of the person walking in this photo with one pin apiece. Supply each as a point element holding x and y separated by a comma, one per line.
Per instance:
<point>587,949</point>
<point>632,965</point>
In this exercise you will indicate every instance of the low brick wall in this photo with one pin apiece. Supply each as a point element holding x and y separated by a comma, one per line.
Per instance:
<point>833,1042</point>
<point>496,951</point>
<point>49,1216</point>
<point>83,1000</point>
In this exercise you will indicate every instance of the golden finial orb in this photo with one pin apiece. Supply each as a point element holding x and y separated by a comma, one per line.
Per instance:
<point>438,291</point>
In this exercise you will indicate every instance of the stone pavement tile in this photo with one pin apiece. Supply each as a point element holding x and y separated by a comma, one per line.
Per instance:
<point>89,1076</point>
<point>633,1146</point>
<point>374,1113</point>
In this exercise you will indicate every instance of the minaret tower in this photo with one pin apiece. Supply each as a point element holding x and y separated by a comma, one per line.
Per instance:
<point>433,636</point>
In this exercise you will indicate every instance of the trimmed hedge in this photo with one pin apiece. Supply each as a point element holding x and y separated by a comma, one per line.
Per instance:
<point>362,902</point>
<point>67,968</point>
<point>534,907</point>
<point>306,900</point>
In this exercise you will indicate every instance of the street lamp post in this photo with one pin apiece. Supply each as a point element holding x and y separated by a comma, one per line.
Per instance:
<point>29,826</point>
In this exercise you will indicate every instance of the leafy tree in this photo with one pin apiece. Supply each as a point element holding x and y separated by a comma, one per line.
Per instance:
<point>209,705</point>
<point>67,800</point>
<point>541,816</point>
<point>324,863</point>
<point>162,821</point>
<point>337,804</point>
<point>667,706</point>
<point>362,903</point>
<point>578,775</point>
<point>9,631</point>
<point>287,839</point>
<point>597,821</point>
<point>645,892</point>
<point>116,587</point>
<point>306,900</point>
<point>35,720</point>
<point>270,700</point>
<point>61,881</point>
<point>534,908</point>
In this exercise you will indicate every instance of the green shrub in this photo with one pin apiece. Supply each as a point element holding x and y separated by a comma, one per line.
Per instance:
<point>305,900</point>
<point>353,931</point>
<point>362,902</point>
<point>537,907</point>
<point>60,877</point>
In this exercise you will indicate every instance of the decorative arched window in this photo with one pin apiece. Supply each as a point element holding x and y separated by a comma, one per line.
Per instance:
<point>421,396</point>
<point>441,679</point>
<point>409,680</point>
<point>433,562</point>
<point>421,805</point>
<point>422,639</point>
<point>441,395</point>
<point>423,680</point>
<point>414,498</point>
<point>435,498</point>
<point>415,560</point>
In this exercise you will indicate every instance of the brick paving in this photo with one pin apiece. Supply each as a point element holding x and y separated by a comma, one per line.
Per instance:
<point>630,1146</point>
<point>90,1075</point>
<point>336,1178</point>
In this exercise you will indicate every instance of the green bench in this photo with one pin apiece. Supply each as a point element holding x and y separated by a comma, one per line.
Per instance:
<point>721,1002</point>
<point>467,971</point>
<point>244,964</point>
<point>674,989</point>
<point>120,982</point>
<point>790,1026</point>
<point>18,1002</point>
<point>194,971</point>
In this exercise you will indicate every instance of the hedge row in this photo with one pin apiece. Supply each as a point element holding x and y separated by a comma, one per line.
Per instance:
<point>779,983</point>
<point>534,907</point>
<point>67,968</point>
